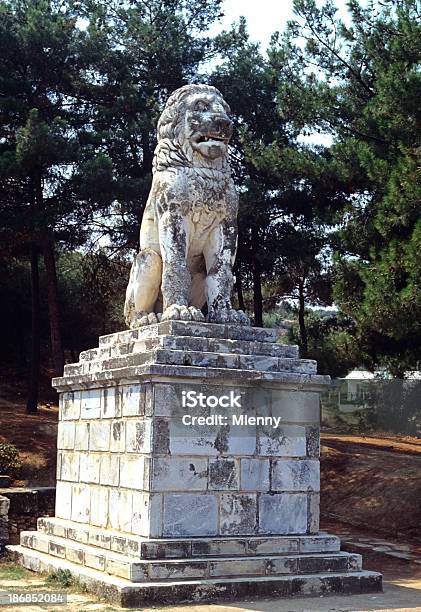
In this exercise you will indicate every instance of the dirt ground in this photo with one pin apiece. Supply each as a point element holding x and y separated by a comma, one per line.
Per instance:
<point>373,482</point>
<point>35,437</point>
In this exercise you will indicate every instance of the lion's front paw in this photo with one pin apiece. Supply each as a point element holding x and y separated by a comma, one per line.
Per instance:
<point>175,312</point>
<point>228,315</point>
<point>143,318</point>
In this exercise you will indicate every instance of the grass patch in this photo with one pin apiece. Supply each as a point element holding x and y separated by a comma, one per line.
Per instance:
<point>11,571</point>
<point>61,578</point>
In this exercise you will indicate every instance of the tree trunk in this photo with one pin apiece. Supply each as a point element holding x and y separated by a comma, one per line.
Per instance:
<point>32,400</point>
<point>52,292</point>
<point>257,295</point>
<point>301,320</point>
<point>239,287</point>
<point>53,307</point>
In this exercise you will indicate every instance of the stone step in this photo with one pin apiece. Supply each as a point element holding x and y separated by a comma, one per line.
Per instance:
<point>191,343</point>
<point>187,569</point>
<point>142,548</point>
<point>192,328</point>
<point>261,363</point>
<point>133,595</point>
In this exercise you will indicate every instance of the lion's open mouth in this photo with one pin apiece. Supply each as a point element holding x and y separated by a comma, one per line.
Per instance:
<point>213,138</point>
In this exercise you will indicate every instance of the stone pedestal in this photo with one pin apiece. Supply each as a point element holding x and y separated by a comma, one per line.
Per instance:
<point>188,469</point>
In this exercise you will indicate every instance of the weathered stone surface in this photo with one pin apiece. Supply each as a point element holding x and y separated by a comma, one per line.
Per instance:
<point>81,503</point>
<point>223,474</point>
<point>89,467</point>
<point>91,404</point>
<point>179,474</point>
<point>238,513</point>
<point>99,435</point>
<point>110,470</point>
<point>70,466</point>
<point>282,513</point>
<point>255,474</point>
<point>295,475</point>
<point>139,436</point>
<point>111,402</point>
<point>133,400</point>
<point>190,514</point>
<point>132,472</point>
<point>287,441</point>
<point>99,506</point>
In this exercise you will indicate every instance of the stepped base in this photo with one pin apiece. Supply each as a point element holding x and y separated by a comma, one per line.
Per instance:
<point>127,594</point>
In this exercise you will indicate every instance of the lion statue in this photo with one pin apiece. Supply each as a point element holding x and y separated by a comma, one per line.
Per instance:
<point>188,235</point>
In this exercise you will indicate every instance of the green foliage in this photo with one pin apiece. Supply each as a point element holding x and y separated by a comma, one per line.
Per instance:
<point>331,341</point>
<point>9,459</point>
<point>61,577</point>
<point>365,90</point>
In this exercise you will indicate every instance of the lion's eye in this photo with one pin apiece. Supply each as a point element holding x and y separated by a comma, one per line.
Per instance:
<point>201,106</point>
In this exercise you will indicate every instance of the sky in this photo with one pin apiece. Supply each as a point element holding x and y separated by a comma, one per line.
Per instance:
<point>263,16</point>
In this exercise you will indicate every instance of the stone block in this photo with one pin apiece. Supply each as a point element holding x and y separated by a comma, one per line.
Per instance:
<point>179,474</point>
<point>99,506</point>
<point>95,561</point>
<point>70,466</point>
<point>82,435</point>
<point>74,555</point>
<point>288,441</point>
<point>118,436</point>
<point>282,513</point>
<point>189,514</point>
<point>295,406</point>
<point>273,546</point>
<point>133,400</point>
<point>89,467</point>
<point>91,404</point>
<point>70,406</point>
<point>66,435</point>
<point>313,520</point>
<point>237,440</point>
<point>286,565</point>
<point>223,474</point>
<point>58,466</point>
<point>254,474</point>
<point>313,442</point>
<point>168,401</point>
<point>139,435</point>
<point>119,544</point>
<point>81,503</point>
<point>78,534</point>
<point>167,571</point>
<point>120,509</point>
<point>192,440</point>
<point>219,548</point>
<point>111,403</point>
<point>110,470</point>
<point>295,475</point>
<point>132,471</point>
<point>63,500</point>
<point>319,544</point>
<point>238,513</point>
<point>99,436</point>
<point>243,567</point>
<point>4,506</point>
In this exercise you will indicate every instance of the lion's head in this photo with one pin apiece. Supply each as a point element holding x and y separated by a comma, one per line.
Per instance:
<point>194,129</point>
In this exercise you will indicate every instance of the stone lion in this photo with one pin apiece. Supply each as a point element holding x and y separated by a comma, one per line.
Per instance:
<point>188,235</point>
